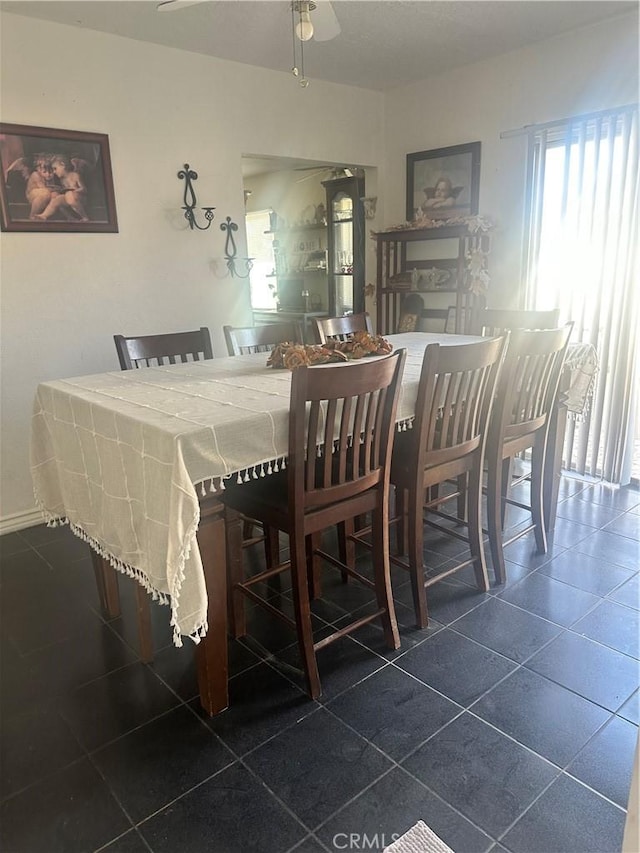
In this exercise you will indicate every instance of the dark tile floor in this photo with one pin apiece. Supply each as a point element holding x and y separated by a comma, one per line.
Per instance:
<point>509,725</point>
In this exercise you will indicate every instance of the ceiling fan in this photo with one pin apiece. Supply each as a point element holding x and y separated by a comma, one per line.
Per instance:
<point>333,172</point>
<point>323,26</point>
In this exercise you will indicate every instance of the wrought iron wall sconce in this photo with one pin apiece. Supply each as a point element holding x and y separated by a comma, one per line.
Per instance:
<point>231,250</point>
<point>188,176</point>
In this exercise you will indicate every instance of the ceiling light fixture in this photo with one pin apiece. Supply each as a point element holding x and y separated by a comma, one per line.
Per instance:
<point>302,31</point>
<point>304,27</point>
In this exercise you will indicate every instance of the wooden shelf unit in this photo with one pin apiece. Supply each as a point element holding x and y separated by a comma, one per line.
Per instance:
<point>393,248</point>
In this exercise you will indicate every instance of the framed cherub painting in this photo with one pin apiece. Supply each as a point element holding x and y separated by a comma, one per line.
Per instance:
<point>443,183</point>
<point>55,180</point>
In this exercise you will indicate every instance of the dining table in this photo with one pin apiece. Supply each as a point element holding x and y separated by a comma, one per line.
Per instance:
<point>136,461</point>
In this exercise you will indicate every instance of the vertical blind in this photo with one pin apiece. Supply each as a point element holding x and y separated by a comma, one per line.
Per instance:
<point>581,256</point>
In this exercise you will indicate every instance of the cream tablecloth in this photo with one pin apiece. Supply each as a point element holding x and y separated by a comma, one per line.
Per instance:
<point>124,456</point>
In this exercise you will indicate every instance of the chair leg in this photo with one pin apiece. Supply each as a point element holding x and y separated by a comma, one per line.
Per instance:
<point>346,546</point>
<point>235,573</point>
<point>272,557</point>
<point>416,559</point>
<point>382,575</point>
<point>145,635</point>
<point>314,565</point>
<point>298,555</point>
<point>271,546</point>
<point>402,542</point>
<point>494,514</point>
<point>507,474</point>
<point>474,495</point>
<point>462,487</point>
<point>537,496</point>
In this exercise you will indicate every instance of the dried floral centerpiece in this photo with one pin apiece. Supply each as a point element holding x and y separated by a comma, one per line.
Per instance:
<point>362,344</point>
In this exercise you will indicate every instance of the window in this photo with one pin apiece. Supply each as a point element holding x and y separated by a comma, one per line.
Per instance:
<point>582,258</point>
<point>260,248</point>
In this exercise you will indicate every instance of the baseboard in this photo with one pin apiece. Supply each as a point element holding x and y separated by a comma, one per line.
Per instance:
<point>20,521</point>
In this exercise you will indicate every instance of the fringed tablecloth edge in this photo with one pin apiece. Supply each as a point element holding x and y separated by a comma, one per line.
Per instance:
<point>171,599</point>
<point>212,484</point>
<point>202,627</point>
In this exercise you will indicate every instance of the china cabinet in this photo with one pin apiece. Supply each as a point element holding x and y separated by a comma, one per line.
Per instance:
<point>345,245</point>
<point>444,269</point>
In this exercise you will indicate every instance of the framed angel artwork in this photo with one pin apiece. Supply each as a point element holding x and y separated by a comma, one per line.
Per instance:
<point>443,183</point>
<point>55,180</point>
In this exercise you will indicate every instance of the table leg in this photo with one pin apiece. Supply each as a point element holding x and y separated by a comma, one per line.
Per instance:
<point>109,595</point>
<point>211,652</point>
<point>553,458</point>
<point>235,599</point>
<point>145,633</point>
<point>107,583</point>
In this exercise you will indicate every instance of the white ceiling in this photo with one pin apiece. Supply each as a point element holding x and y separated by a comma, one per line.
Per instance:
<point>383,43</point>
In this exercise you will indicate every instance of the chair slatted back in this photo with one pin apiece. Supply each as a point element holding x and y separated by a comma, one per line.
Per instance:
<point>249,339</point>
<point>457,386</point>
<point>530,379</point>
<point>495,321</point>
<point>171,348</point>
<point>340,328</point>
<point>341,429</point>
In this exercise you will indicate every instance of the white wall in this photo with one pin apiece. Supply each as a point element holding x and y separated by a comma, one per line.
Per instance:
<point>65,295</point>
<point>589,69</point>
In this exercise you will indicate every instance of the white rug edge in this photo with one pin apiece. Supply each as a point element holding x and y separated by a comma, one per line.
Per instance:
<point>418,839</point>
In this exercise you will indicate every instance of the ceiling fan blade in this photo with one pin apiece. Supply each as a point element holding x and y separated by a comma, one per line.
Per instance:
<point>332,172</point>
<point>310,175</point>
<point>174,5</point>
<point>325,23</point>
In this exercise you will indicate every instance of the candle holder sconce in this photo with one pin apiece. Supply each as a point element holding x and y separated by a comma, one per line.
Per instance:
<point>231,250</point>
<point>190,202</point>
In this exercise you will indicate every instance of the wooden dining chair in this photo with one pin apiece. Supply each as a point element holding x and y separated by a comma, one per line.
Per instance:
<point>244,340</point>
<point>135,352</point>
<point>340,328</point>
<point>455,395</point>
<point>170,348</point>
<point>525,400</point>
<point>247,339</point>
<point>496,321</point>
<point>341,429</point>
